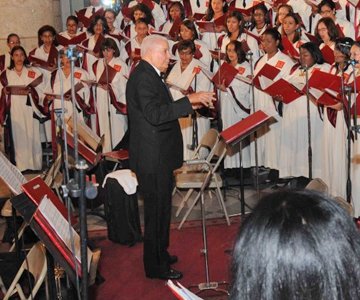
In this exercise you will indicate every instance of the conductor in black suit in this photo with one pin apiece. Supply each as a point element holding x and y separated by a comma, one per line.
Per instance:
<point>156,148</point>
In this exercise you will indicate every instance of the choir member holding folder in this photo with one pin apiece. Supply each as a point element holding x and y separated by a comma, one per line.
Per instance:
<point>273,60</point>
<point>215,14</point>
<point>110,73</point>
<point>155,10</point>
<point>138,11</point>
<point>21,88</point>
<point>294,133</point>
<point>235,101</point>
<point>260,20</point>
<point>72,35</point>
<point>335,129</point>
<point>186,78</point>
<point>292,37</point>
<point>327,33</point>
<point>188,32</point>
<point>235,31</point>
<point>53,93</point>
<point>176,16</point>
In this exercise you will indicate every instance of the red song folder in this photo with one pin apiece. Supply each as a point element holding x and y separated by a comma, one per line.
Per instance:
<point>328,54</point>
<point>245,127</point>
<point>225,74</point>
<point>280,88</point>
<point>73,41</point>
<point>127,12</point>
<point>198,16</point>
<point>85,20</point>
<point>268,71</point>
<point>245,11</point>
<point>321,80</point>
<point>206,26</point>
<point>289,48</point>
<point>218,53</point>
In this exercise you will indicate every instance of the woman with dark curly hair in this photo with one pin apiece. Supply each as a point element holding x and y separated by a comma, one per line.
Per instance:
<point>297,245</point>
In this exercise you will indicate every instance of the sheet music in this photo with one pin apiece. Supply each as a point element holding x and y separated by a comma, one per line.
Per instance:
<point>11,175</point>
<point>61,226</point>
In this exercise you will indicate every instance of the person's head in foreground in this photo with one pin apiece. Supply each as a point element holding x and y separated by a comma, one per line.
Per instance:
<point>297,245</point>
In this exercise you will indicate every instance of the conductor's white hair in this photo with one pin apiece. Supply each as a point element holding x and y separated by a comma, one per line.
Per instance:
<point>150,42</point>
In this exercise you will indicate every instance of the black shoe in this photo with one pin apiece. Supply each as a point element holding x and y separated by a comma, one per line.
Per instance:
<point>170,274</point>
<point>173,259</point>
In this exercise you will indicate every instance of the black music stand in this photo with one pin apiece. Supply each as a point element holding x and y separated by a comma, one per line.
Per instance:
<point>237,133</point>
<point>27,205</point>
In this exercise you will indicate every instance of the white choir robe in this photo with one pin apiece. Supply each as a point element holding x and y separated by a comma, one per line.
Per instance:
<point>211,38</point>
<point>91,43</point>
<point>199,83</point>
<point>84,93</point>
<point>25,128</point>
<point>252,43</point>
<point>204,4</point>
<point>231,113</point>
<point>156,12</point>
<point>334,142</point>
<point>269,136</point>
<point>206,58</point>
<point>45,128</point>
<point>294,132</point>
<point>260,32</point>
<point>346,27</point>
<point>118,122</point>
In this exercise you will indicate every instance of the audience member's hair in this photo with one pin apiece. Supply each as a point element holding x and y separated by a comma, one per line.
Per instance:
<point>297,245</point>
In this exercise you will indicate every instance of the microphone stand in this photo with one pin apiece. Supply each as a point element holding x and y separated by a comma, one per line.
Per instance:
<point>195,140</point>
<point>250,56</point>
<point>306,69</point>
<point>108,101</point>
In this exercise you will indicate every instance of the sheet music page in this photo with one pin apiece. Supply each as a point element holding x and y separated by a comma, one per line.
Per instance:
<point>11,175</point>
<point>61,226</point>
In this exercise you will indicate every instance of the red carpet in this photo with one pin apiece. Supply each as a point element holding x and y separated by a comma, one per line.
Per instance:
<point>122,266</point>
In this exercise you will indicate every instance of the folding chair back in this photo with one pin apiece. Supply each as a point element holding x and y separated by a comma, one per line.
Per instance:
<point>36,264</point>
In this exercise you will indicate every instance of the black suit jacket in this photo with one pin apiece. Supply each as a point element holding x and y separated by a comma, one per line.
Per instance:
<point>155,135</point>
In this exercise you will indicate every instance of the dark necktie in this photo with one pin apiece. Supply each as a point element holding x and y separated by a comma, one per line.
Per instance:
<point>244,3</point>
<point>93,10</point>
<point>198,3</point>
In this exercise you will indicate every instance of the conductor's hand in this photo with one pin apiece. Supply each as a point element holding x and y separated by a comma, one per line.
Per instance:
<point>200,99</point>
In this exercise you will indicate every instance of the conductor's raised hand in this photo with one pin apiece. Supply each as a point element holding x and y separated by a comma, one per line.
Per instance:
<point>200,99</point>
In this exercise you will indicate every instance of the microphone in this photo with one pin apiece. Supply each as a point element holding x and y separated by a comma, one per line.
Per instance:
<point>352,62</point>
<point>345,45</point>
<point>248,24</point>
<point>71,52</point>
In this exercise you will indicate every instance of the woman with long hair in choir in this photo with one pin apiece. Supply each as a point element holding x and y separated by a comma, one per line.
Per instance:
<point>282,11</point>
<point>176,13</point>
<point>269,137</point>
<point>216,10</point>
<point>187,71</point>
<point>294,128</point>
<point>335,125</point>
<point>155,11</point>
<point>189,32</point>
<point>260,20</point>
<point>235,32</point>
<point>110,73</point>
<point>19,107</point>
<point>292,34</point>
<point>235,102</point>
<point>326,32</point>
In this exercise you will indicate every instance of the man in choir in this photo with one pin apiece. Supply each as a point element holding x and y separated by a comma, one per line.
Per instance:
<point>156,148</point>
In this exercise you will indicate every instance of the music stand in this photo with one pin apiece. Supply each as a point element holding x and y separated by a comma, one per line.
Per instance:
<point>237,133</point>
<point>30,205</point>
